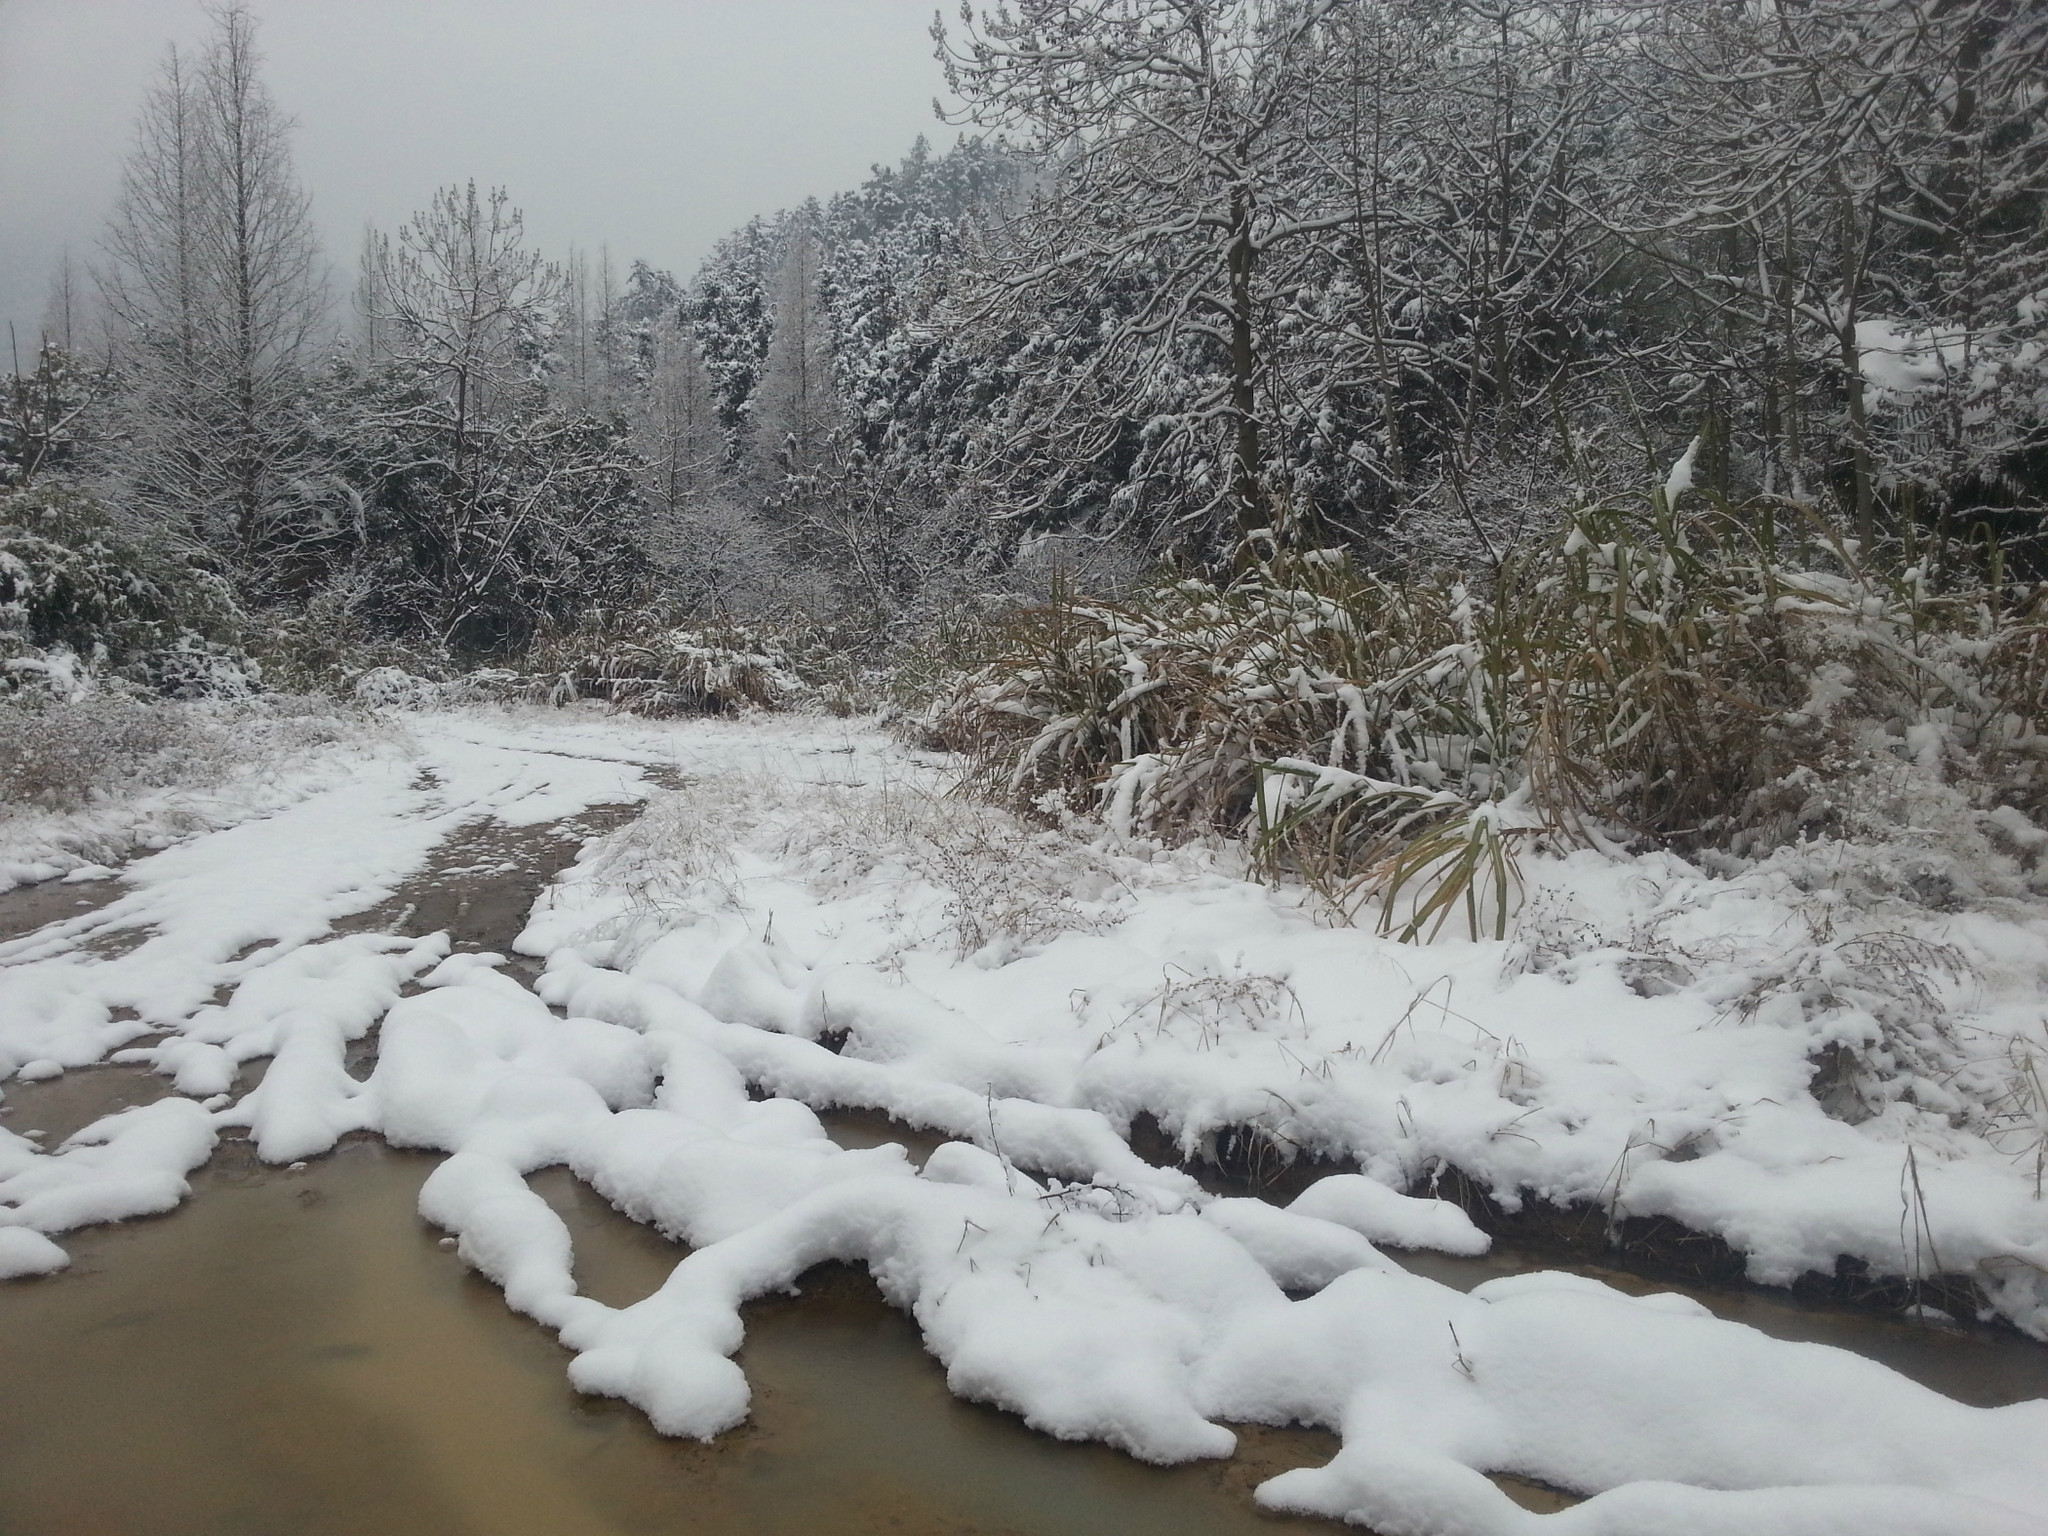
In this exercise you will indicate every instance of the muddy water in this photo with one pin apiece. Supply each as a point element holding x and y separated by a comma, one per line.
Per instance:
<point>483,880</point>
<point>52,1109</point>
<point>297,1353</point>
<point>25,908</point>
<point>854,1129</point>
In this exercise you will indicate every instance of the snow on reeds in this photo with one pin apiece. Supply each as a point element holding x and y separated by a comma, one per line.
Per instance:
<point>1708,683</point>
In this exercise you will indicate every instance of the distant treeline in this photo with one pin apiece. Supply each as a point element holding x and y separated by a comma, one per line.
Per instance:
<point>1418,278</point>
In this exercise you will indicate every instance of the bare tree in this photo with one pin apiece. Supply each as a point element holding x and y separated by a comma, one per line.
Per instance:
<point>496,494</point>
<point>213,278</point>
<point>590,365</point>
<point>676,428</point>
<point>1171,133</point>
<point>66,309</point>
<point>368,301</point>
<point>259,244</point>
<point>470,307</point>
<point>156,295</point>
<point>796,405</point>
<point>708,544</point>
<point>1853,194</point>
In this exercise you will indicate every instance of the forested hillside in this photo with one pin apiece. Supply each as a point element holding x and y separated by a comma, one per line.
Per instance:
<point>1555,419</point>
<point>1415,281</point>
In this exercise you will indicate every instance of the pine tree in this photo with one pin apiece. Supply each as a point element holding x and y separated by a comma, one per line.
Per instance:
<point>796,405</point>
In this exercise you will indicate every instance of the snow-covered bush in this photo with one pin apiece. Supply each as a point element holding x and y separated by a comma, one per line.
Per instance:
<point>946,870</point>
<point>395,688</point>
<point>82,603</point>
<point>650,664</point>
<point>57,754</point>
<point>1001,884</point>
<point>1700,683</point>
<point>328,641</point>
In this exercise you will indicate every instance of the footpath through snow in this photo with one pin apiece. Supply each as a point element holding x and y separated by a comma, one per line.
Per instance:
<point>805,923</point>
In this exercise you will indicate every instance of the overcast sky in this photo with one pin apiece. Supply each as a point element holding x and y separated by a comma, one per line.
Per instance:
<point>653,126</point>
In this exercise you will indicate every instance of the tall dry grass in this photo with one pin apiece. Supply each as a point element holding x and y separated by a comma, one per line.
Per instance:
<point>650,664</point>
<point>1718,679</point>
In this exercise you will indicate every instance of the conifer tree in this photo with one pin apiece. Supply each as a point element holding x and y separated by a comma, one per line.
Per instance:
<point>214,284</point>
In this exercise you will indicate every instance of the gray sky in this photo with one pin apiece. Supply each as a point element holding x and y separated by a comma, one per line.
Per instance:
<point>652,125</point>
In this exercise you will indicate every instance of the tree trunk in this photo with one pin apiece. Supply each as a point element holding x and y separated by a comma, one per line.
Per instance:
<point>1252,513</point>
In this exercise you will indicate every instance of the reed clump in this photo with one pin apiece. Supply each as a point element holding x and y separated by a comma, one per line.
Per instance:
<point>1717,680</point>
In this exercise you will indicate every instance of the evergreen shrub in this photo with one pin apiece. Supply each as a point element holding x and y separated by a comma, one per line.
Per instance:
<point>84,603</point>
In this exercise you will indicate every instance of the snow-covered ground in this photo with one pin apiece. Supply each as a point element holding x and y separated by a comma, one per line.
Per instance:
<point>807,918</point>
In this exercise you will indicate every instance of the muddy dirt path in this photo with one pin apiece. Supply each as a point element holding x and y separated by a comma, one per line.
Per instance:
<point>26,908</point>
<point>478,887</point>
<point>295,1351</point>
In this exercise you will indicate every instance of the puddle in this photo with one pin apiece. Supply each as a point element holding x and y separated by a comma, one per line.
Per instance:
<point>618,1261</point>
<point>484,879</point>
<point>854,1129</point>
<point>59,1106</point>
<point>25,908</point>
<point>295,1354</point>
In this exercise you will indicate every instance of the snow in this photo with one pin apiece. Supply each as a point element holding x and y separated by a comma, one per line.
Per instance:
<point>806,918</point>
<point>1899,360</point>
<point>1680,480</point>
<point>26,1252</point>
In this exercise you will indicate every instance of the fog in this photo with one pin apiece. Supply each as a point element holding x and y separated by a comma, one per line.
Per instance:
<point>649,126</point>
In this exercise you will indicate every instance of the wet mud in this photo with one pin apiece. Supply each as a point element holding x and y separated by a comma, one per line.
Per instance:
<point>56,1107</point>
<point>483,880</point>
